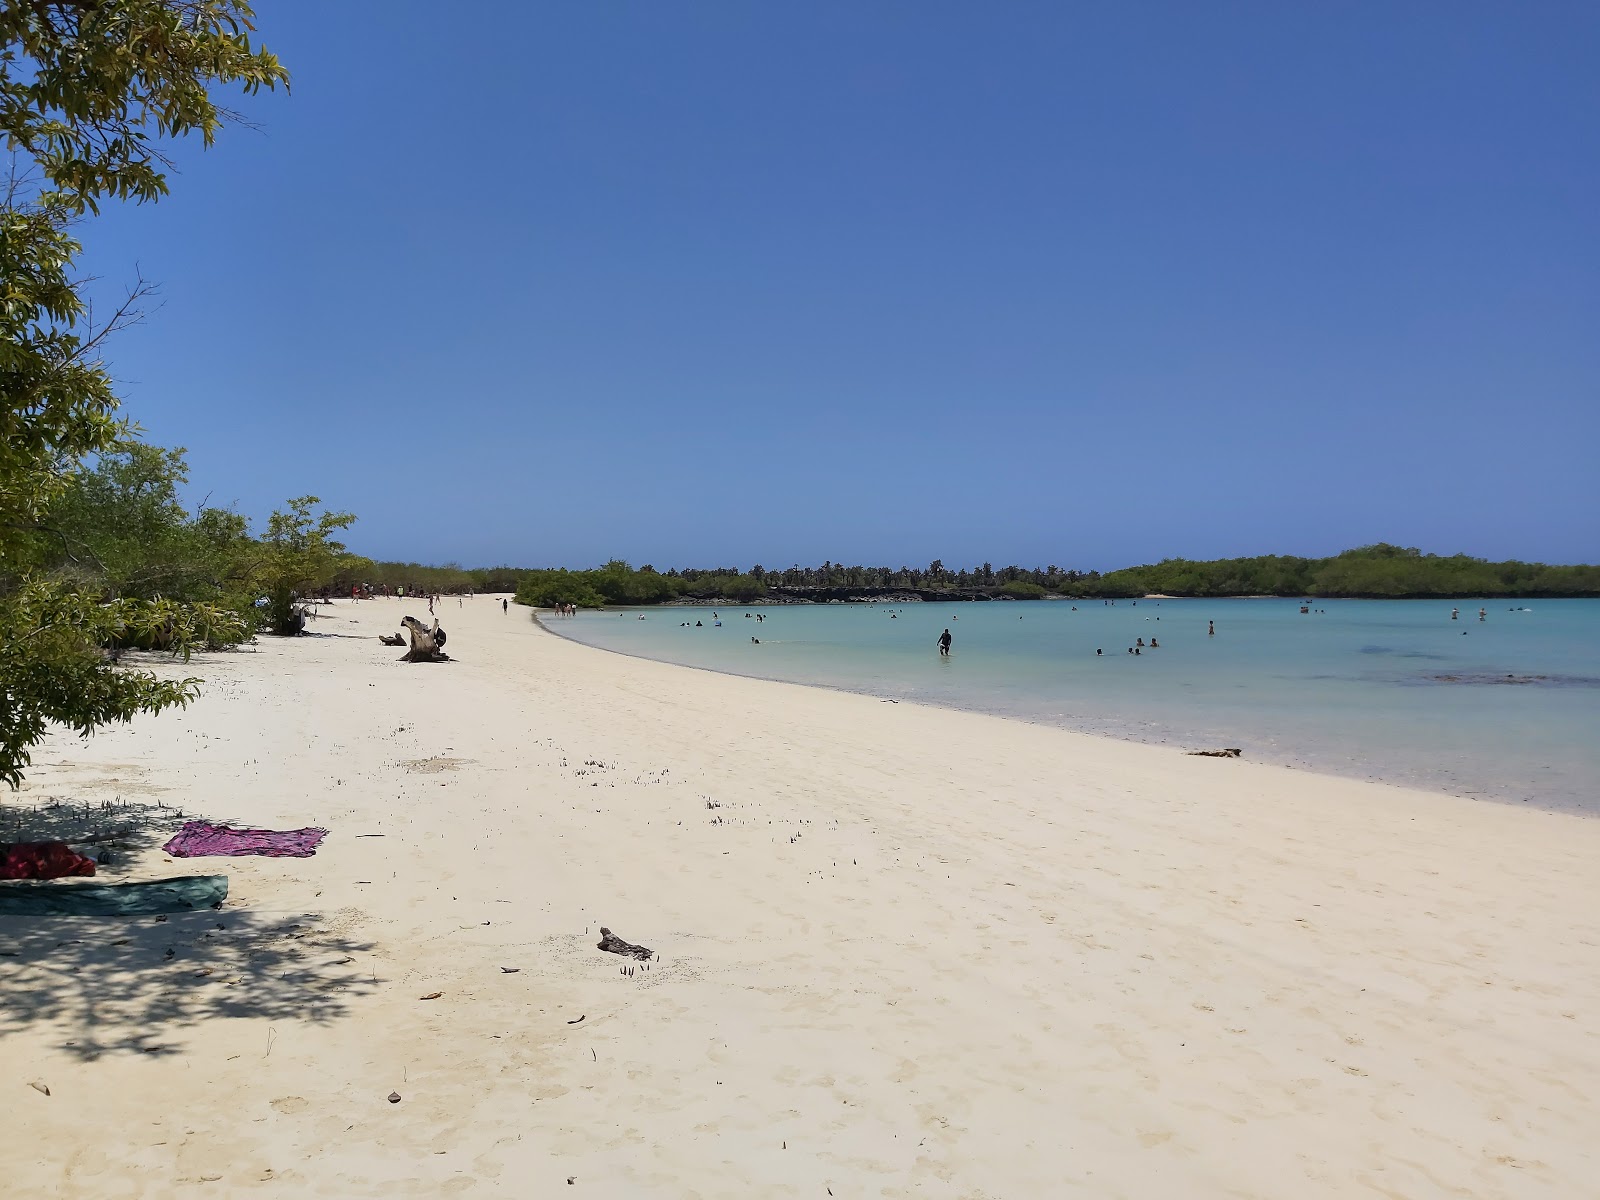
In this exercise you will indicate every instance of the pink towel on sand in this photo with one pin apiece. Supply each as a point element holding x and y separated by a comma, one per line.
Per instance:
<point>198,839</point>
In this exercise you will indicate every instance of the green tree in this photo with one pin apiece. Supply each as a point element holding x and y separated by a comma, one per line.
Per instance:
<point>298,554</point>
<point>88,90</point>
<point>1021,589</point>
<point>547,589</point>
<point>124,532</point>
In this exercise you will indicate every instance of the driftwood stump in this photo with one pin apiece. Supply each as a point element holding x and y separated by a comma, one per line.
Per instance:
<point>427,645</point>
<point>1230,752</point>
<point>612,944</point>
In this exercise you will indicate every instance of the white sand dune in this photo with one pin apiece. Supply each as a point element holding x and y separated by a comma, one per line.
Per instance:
<point>903,952</point>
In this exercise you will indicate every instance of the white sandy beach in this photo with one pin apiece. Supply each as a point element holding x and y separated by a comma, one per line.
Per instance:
<point>903,952</point>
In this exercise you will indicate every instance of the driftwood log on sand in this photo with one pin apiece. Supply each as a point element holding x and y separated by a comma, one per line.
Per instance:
<point>1230,752</point>
<point>397,639</point>
<point>427,645</point>
<point>612,944</point>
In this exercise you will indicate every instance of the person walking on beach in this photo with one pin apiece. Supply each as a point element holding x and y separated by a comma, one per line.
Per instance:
<point>944,644</point>
<point>505,605</point>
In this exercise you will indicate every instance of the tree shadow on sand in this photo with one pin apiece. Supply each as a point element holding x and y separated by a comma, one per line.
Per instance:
<point>122,828</point>
<point>137,984</point>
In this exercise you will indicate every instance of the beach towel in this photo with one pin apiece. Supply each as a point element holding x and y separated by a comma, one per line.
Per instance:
<point>200,839</point>
<point>42,860</point>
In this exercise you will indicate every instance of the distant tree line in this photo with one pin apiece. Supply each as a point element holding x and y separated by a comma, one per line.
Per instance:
<point>1375,572</point>
<point>1379,571</point>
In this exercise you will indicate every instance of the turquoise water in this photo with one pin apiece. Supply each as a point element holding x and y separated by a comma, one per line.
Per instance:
<point>1392,690</point>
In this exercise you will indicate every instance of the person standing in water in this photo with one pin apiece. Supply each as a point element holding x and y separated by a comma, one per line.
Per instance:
<point>944,644</point>
<point>1211,629</point>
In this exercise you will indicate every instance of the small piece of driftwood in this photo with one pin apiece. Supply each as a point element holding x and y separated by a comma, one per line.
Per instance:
<point>612,944</point>
<point>1229,752</point>
<point>397,639</point>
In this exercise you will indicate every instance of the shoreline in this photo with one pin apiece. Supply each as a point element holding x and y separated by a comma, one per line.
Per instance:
<point>900,949</point>
<point>1129,737</point>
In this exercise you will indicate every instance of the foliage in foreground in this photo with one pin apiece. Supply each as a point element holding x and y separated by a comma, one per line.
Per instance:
<point>57,672</point>
<point>87,90</point>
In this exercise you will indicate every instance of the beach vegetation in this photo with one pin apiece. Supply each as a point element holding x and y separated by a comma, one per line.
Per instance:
<point>121,530</point>
<point>552,589</point>
<point>87,93</point>
<point>1023,589</point>
<point>298,554</point>
<point>1379,571</point>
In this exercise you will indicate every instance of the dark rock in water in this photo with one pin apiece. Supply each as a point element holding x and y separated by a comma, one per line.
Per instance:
<point>1484,679</point>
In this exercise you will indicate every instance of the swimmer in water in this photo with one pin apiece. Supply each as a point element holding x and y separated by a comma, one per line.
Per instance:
<point>944,644</point>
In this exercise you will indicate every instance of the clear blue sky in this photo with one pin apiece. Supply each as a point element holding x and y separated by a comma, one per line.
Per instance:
<point>699,284</point>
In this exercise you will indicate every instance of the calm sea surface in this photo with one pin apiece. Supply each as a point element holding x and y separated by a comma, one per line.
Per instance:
<point>1507,708</point>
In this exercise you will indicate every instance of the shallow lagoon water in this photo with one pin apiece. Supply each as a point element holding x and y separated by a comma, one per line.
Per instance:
<point>1504,709</point>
